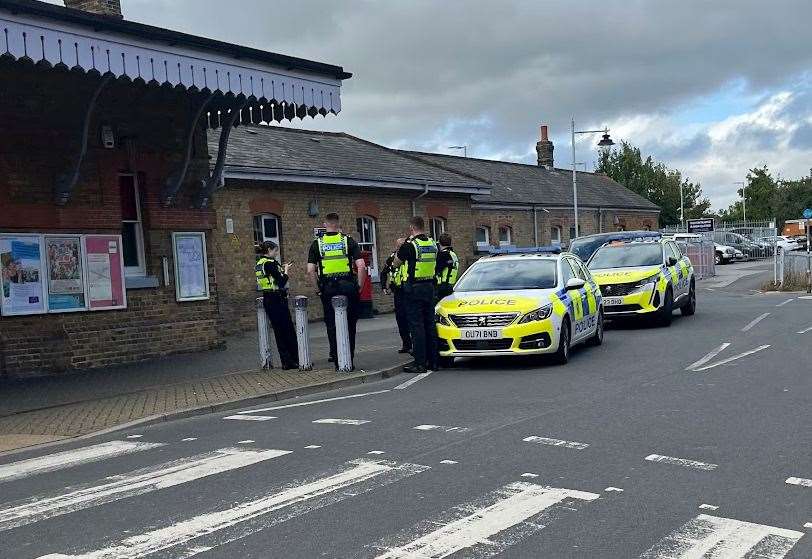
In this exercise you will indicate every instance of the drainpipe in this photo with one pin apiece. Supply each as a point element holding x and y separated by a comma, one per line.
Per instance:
<point>414,200</point>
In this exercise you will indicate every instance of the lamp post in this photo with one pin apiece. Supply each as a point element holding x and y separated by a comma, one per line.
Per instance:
<point>463,148</point>
<point>744,200</point>
<point>605,143</point>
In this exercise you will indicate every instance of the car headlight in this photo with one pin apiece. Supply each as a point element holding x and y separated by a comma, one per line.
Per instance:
<point>541,313</point>
<point>730,251</point>
<point>647,281</point>
<point>440,319</point>
<point>739,253</point>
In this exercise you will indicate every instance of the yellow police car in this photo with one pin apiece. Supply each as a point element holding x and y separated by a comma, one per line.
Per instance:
<point>644,278</point>
<point>520,304</point>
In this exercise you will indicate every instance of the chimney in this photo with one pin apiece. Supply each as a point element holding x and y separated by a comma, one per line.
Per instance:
<point>544,149</point>
<point>110,8</point>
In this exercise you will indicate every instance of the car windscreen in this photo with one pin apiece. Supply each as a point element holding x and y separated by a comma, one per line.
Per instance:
<point>496,275</point>
<point>623,256</point>
<point>585,247</point>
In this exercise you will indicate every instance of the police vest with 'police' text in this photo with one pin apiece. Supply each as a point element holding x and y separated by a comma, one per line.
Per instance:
<point>425,259</point>
<point>334,250</point>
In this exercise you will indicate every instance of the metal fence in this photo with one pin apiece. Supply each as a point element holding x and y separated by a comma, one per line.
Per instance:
<point>754,239</point>
<point>793,269</point>
<point>701,253</point>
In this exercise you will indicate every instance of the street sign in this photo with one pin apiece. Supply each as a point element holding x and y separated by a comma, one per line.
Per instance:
<point>808,213</point>
<point>704,225</point>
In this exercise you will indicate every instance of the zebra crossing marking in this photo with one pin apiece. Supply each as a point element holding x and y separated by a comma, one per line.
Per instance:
<point>250,417</point>
<point>695,464</point>
<point>137,482</point>
<point>714,536</point>
<point>331,421</point>
<point>362,475</point>
<point>444,428</point>
<point>556,442</point>
<point>490,524</point>
<point>70,458</point>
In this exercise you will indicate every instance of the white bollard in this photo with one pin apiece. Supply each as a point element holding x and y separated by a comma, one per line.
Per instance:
<point>302,333</point>
<point>344,359</point>
<point>267,339</point>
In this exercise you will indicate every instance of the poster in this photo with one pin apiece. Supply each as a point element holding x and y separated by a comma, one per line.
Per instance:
<point>23,274</point>
<point>66,279</point>
<point>191,269</point>
<point>104,267</point>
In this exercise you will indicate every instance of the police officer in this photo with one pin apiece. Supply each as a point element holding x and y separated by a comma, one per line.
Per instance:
<point>392,281</point>
<point>419,254</point>
<point>330,266</point>
<point>272,280</point>
<point>448,267</point>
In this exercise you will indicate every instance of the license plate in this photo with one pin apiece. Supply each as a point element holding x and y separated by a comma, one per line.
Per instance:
<point>612,301</point>
<point>481,334</point>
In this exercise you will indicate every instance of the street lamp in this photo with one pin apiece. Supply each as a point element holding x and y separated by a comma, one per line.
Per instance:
<point>744,200</point>
<point>463,148</point>
<point>605,143</point>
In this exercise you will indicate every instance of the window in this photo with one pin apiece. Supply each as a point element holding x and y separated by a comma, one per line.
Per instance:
<point>555,235</point>
<point>366,241</point>
<point>437,227</point>
<point>566,272</point>
<point>505,236</point>
<point>576,267</point>
<point>674,250</point>
<point>572,232</point>
<point>483,237</point>
<point>266,228</point>
<point>132,230</point>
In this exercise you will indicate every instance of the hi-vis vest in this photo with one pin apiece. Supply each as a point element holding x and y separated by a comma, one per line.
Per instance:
<point>396,274</point>
<point>334,250</point>
<point>449,275</point>
<point>426,259</point>
<point>264,281</point>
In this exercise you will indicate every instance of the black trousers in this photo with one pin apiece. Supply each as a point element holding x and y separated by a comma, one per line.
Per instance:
<point>444,290</point>
<point>401,318</point>
<point>348,288</point>
<point>276,307</point>
<point>419,299</point>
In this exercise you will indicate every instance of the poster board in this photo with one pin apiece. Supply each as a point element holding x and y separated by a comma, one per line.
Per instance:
<point>22,274</point>
<point>191,266</point>
<point>104,269</point>
<point>67,291</point>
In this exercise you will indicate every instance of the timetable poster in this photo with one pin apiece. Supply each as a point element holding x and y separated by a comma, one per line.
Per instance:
<point>104,266</point>
<point>66,278</point>
<point>21,266</point>
<point>191,270</point>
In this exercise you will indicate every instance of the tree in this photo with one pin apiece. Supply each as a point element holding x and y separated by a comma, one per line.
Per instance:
<point>761,199</point>
<point>654,181</point>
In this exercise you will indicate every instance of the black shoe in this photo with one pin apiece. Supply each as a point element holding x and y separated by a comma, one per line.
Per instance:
<point>405,349</point>
<point>414,368</point>
<point>434,367</point>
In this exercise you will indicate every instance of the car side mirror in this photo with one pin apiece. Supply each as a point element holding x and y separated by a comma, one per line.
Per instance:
<point>575,283</point>
<point>671,261</point>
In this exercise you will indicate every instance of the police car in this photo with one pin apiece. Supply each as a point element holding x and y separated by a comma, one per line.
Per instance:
<point>644,278</point>
<point>521,304</point>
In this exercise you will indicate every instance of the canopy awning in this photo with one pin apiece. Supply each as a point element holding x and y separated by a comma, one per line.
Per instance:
<point>270,86</point>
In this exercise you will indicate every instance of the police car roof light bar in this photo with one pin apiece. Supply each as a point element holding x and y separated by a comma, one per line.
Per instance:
<point>525,250</point>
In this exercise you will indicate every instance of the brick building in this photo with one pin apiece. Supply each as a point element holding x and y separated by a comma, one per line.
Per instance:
<point>104,139</point>
<point>279,184</point>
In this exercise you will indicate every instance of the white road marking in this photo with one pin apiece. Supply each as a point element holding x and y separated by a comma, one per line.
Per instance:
<point>734,358</point>
<point>755,321</point>
<point>445,428</point>
<point>805,297</point>
<point>713,353</point>
<point>376,452</point>
<point>253,516</point>
<point>555,442</point>
<point>137,482</point>
<point>785,302</point>
<point>250,417</point>
<point>724,538</point>
<point>489,525</point>
<point>300,404</point>
<point>342,421</point>
<point>808,525</point>
<point>411,381</point>
<point>528,474</point>
<point>805,330</point>
<point>703,506</point>
<point>68,458</point>
<point>312,446</point>
<point>134,436</point>
<point>696,465</point>
<point>799,481</point>
<point>615,489</point>
<point>448,462</point>
<point>187,439</point>
<point>246,441</point>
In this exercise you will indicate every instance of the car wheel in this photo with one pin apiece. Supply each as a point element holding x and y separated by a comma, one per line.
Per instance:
<point>666,312</point>
<point>597,337</point>
<point>717,259</point>
<point>562,354</point>
<point>689,308</point>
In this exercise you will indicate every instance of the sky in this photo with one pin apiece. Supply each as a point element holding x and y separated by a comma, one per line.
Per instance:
<point>710,88</point>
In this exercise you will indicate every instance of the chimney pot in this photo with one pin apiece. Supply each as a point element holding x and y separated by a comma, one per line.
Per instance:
<point>544,149</point>
<point>110,8</point>
<point>543,132</point>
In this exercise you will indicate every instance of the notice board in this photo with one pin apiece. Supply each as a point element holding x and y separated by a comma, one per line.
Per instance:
<point>104,265</point>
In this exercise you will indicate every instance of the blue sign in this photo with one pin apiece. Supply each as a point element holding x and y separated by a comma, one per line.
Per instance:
<point>808,213</point>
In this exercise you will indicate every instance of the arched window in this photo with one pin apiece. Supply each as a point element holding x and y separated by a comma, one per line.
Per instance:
<point>437,227</point>
<point>505,236</point>
<point>555,235</point>
<point>367,241</point>
<point>267,228</point>
<point>483,237</point>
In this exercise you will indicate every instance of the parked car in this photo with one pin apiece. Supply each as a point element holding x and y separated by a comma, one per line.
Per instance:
<point>784,242</point>
<point>723,254</point>
<point>584,247</point>
<point>739,242</point>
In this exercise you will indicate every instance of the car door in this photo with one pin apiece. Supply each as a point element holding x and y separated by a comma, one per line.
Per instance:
<point>583,302</point>
<point>680,271</point>
<point>593,295</point>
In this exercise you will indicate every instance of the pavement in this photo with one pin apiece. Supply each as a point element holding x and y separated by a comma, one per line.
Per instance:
<point>48,409</point>
<point>693,441</point>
